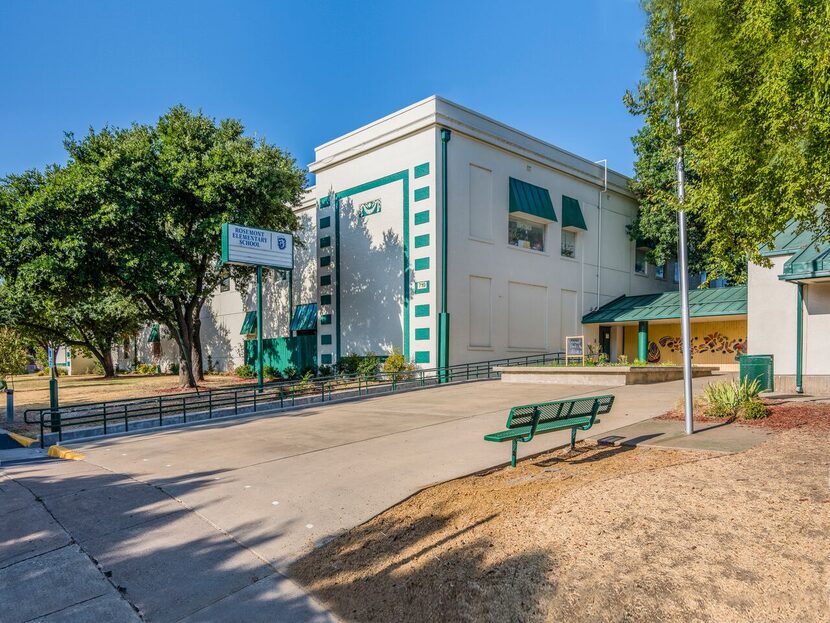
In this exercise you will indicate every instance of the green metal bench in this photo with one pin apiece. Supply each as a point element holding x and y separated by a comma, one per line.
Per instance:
<point>527,421</point>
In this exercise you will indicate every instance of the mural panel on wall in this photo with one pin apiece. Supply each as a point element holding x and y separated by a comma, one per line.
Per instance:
<point>715,343</point>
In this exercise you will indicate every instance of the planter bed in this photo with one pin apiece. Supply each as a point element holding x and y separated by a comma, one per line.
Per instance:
<point>598,375</point>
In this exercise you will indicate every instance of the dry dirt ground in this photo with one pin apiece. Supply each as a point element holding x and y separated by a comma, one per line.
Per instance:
<point>602,534</point>
<point>32,391</point>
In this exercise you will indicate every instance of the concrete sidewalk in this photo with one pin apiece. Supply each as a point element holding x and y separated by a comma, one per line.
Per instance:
<point>201,523</point>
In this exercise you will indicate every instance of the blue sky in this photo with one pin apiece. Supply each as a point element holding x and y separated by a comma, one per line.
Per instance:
<point>301,73</point>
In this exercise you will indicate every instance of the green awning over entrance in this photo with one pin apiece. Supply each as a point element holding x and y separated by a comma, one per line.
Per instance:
<point>154,334</point>
<point>813,262</point>
<point>572,213</point>
<point>666,306</point>
<point>305,317</point>
<point>531,200</point>
<point>249,324</point>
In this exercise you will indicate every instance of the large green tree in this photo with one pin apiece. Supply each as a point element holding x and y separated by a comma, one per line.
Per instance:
<point>148,203</point>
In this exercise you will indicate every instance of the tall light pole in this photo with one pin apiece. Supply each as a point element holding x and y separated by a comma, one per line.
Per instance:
<point>682,250</point>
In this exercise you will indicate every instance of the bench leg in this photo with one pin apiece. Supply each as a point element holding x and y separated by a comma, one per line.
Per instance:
<point>513,456</point>
<point>573,438</point>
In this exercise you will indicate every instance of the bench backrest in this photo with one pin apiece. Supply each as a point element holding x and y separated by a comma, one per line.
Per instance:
<point>558,410</point>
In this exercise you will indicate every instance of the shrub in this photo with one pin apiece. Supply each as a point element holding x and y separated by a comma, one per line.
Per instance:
<point>271,372</point>
<point>173,368</point>
<point>753,410</point>
<point>396,363</point>
<point>245,372</point>
<point>325,370</point>
<point>728,398</point>
<point>348,364</point>
<point>639,363</point>
<point>312,370</point>
<point>290,372</point>
<point>368,365</point>
<point>146,368</point>
<point>622,360</point>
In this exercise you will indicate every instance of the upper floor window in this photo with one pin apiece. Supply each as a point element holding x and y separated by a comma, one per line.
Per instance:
<point>660,271</point>
<point>568,243</point>
<point>640,264</point>
<point>526,234</point>
<point>676,278</point>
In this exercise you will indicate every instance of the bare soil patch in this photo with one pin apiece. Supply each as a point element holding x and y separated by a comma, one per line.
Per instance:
<point>603,534</point>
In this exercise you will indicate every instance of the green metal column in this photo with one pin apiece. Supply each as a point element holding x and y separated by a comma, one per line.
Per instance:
<point>259,373</point>
<point>290,301</point>
<point>444,316</point>
<point>642,340</point>
<point>799,337</point>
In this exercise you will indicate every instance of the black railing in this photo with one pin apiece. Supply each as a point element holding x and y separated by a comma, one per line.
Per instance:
<point>117,415</point>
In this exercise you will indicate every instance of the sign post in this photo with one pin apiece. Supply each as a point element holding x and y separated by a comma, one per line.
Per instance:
<point>248,246</point>
<point>575,348</point>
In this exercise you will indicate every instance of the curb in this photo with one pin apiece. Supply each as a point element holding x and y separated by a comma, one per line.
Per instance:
<point>59,452</point>
<point>23,441</point>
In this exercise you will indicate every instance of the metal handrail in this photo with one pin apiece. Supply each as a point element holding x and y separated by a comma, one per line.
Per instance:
<point>276,394</point>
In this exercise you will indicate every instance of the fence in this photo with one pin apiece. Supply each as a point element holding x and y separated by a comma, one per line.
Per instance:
<point>118,415</point>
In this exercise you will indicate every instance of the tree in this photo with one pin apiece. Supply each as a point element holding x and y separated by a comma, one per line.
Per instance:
<point>761,93</point>
<point>148,203</point>
<point>40,294</point>
<point>13,357</point>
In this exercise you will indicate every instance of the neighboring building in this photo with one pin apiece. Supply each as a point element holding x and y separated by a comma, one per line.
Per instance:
<point>535,238</point>
<point>789,311</point>
<point>647,327</point>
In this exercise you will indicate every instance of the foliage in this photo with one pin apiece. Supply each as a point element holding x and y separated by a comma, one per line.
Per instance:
<point>270,372</point>
<point>622,360</point>
<point>245,371</point>
<point>59,371</point>
<point>368,365</point>
<point>290,372</point>
<point>173,368</point>
<point>396,362</point>
<point>325,370</point>
<point>753,410</point>
<point>146,368</point>
<point>140,210</point>
<point>726,399</point>
<point>348,364</point>
<point>13,356</point>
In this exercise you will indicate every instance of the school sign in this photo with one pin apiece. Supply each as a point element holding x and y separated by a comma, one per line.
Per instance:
<point>249,246</point>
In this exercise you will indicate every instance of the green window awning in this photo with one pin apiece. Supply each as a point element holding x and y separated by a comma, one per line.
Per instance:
<point>812,262</point>
<point>305,317</point>
<point>572,214</point>
<point>249,324</point>
<point>703,303</point>
<point>530,200</point>
<point>154,334</point>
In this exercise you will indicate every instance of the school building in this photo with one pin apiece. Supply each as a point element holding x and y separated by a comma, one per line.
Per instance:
<point>454,238</point>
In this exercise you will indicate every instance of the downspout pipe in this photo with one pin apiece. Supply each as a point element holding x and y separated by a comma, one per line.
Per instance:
<point>444,316</point>
<point>799,338</point>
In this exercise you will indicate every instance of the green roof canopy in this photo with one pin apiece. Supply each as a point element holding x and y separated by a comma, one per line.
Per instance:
<point>572,214</point>
<point>810,263</point>
<point>154,334</point>
<point>666,306</point>
<point>249,324</point>
<point>531,200</point>
<point>305,317</point>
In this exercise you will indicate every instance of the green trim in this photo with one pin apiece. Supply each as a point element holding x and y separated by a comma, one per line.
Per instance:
<point>422,263</point>
<point>421,241</point>
<point>422,217</point>
<point>325,299</point>
<point>325,280</point>
<point>325,202</point>
<point>422,333</point>
<point>421,356</point>
<point>422,193</point>
<point>421,170</point>
<point>421,311</point>
<point>249,323</point>
<point>325,338</point>
<point>325,260</point>
<point>156,337</point>
<point>642,340</point>
<point>402,176</point>
<point>304,318</point>
<point>799,337</point>
<point>325,318</point>
<point>421,287</point>
<point>325,241</point>
<point>325,359</point>
<point>325,222</point>
<point>443,315</point>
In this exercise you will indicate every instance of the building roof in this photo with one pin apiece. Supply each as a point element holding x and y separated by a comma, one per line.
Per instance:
<point>789,240</point>
<point>810,263</point>
<point>666,305</point>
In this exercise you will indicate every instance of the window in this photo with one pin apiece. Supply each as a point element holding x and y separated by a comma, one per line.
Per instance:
<point>640,261</point>
<point>225,284</point>
<point>676,272</point>
<point>526,234</point>
<point>568,243</point>
<point>660,271</point>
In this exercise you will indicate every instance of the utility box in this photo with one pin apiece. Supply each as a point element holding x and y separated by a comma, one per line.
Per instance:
<point>758,367</point>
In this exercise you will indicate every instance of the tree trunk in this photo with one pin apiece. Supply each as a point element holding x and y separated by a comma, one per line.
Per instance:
<point>109,366</point>
<point>184,338</point>
<point>196,351</point>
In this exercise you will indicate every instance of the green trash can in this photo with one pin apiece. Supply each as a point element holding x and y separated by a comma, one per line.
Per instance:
<point>758,367</point>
